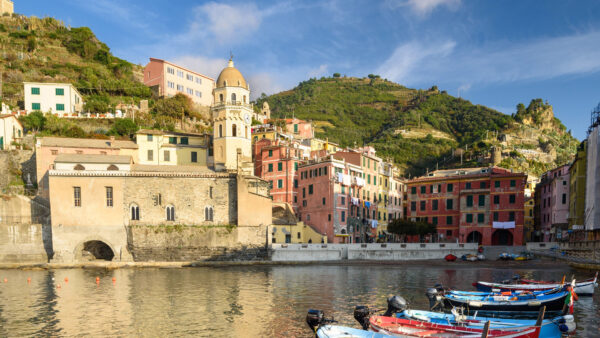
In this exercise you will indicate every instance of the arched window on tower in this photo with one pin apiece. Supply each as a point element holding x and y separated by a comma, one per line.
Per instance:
<point>233,98</point>
<point>244,99</point>
<point>220,130</point>
<point>170,213</point>
<point>221,97</point>
<point>234,130</point>
<point>208,214</point>
<point>246,132</point>
<point>135,212</point>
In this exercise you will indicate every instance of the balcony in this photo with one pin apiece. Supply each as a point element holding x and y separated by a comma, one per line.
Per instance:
<point>232,104</point>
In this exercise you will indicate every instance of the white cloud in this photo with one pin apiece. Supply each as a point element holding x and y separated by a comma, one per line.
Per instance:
<point>318,72</point>
<point>226,23</point>
<point>419,62</point>
<point>424,7</point>
<point>263,82</point>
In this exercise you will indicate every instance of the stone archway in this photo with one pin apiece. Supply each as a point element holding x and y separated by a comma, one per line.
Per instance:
<point>502,237</point>
<point>474,237</point>
<point>95,250</point>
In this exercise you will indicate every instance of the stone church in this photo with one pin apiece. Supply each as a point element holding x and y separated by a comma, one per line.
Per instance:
<point>110,207</point>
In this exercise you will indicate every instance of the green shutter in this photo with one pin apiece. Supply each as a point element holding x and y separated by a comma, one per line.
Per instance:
<point>469,218</point>
<point>470,201</point>
<point>60,91</point>
<point>279,166</point>
<point>36,106</point>
<point>60,107</point>
<point>35,91</point>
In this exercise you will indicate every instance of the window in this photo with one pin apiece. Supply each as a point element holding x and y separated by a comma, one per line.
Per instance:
<point>482,185</point>
<point>109,196</point>
<point>60,107</point>
<point>35,91</point>
<point>496,216</point>
<point>35,106</point>
<point>150,155</point>
<point>329,217</point>
<point>434,220</point>
<point>170,70</point>
<point>77,196</point>
<point>303,192</point>
<point>179,87</point>
<point>135,212</point>
<point>374,180</point>
<point>170,213</point>
<point>208,214</point>
<point>180,73</point>
<point>343,201</point>
<point>481,200</point>
<point>564,198</point>
<point>480,218</point>
<point>511,216</point>
<point>198,94</point>
<point>171,84</point>
<point>221,97</point>
<point>434,205</point>
<point>190,91</point>
<point>279,184</point>
<point>423,189</point>
<point>310,189</point>
<point>449,203</point>
<point>172,140</point>
<point>343,216</point>
<point>468,185</point>
<point>470,201</point>
<point>194,157</point>
<point>210,192</point>
<point>279,166</point>
<point>513,183</point>
<point>413,190</point>
<point>511,198</point>
<point>234,130</point>
<point>448,220</point>
<point>54,152</point>
<point>496,184</point>
<point>220,130</point>
<point>448,233</point>
<point>450,187</point>
<point>296,128</point>
<point>295,183</point>
<point>423,205</point>
<point>298,235</point>
<point>469,218</point>
<point>496,199</point>
<point>564,182</point>
<point>59,91</point>
<point>413,206</point>
<point>149,138</point>
<point>324,201</point>
<point>184,140</point>
<point>431,189</point>
<point>167,156</point>
<point>190,77</point>
<point>270,167</point>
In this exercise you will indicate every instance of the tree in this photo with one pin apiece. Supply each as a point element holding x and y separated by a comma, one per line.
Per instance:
<point>124,127</point>
<point>175,107</point>
<point>31,43</point>
<point>34,121</point>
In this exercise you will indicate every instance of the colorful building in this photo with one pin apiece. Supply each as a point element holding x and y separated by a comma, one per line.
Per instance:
<point>11,131</point>
<point>168,79</point>
<point>529,225</point>
<point>299,129</point>
<point>483,205</point>
<point>158,147</point>
<point>577,180</point>
<point>554,203</point>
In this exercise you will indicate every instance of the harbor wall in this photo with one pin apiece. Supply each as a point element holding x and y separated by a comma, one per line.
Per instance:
<point>374,251</point>
<point>24,243</point>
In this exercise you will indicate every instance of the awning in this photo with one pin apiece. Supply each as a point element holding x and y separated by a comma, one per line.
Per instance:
<point>504,225</point>
<point>342,235</point>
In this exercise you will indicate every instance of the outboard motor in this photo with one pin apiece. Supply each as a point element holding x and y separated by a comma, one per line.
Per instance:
<point>435,298</point>
<point>314,319</point>
<point>566,324</point>
<point>395,304</point>
<point>362,314</point>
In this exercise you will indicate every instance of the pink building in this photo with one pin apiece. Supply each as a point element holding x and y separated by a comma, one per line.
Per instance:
<point>47,148</point>
<point>327,201</point>
<point>167,79</point>
<point>554,202</point>
<point>299,129</point>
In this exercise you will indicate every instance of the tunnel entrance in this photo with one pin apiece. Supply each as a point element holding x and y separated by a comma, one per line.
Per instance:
<point>97,250</point>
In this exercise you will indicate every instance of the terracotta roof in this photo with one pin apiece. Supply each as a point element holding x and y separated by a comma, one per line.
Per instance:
<point>86,143</point>
<point>92,158</point>
<point>160,132</point>
<point>180,67</point>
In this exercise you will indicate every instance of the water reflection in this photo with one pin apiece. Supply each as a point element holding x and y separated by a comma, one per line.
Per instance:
<point>225,302</point>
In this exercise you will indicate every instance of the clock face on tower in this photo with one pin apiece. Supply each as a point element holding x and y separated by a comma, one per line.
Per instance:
<point>247,118</point>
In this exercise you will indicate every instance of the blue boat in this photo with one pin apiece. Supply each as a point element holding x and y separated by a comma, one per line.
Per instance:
<point>495,304</point>
<point>330,331</point>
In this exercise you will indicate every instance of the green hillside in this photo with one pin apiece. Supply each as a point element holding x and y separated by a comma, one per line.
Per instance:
<point>45,50</point>
<point>417,129</point>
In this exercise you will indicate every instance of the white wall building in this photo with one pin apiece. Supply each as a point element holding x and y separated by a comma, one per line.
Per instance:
<point>61,99</point>
<point>11,131</point>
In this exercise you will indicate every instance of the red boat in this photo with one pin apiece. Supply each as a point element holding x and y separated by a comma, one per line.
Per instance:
<point>450,258</point>
<point>415,328</point>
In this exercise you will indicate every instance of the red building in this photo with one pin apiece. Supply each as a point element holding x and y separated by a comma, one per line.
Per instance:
<point>277,161</point>
<point>484,205</point>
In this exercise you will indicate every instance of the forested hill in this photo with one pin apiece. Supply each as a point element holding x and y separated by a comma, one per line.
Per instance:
<point>420,129</point>
<point>45,50</point>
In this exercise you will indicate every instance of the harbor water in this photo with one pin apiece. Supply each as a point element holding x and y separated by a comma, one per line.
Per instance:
<point>238,301</point>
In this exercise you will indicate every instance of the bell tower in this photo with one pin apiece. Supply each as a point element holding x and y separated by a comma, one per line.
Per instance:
<point>232,120</point>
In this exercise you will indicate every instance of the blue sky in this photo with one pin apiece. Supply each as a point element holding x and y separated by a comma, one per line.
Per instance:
<point>495,53</point>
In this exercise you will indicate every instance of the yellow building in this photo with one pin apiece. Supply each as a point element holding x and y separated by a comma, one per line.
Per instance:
<point>264,132</point>
<point>296,233</point>
<point>577,177</point>
<point>318,144</point>
<point>172,148</point>
<point>528,225</point>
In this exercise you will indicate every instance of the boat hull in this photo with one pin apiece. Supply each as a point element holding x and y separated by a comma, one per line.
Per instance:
<point>525,308</point>
<point>336,331</point>
<point>581,288</point>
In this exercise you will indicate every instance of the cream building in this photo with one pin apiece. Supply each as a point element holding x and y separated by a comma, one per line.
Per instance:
<point>61,99</point>
<point>11,131</point>
<point>172,148</point>
<point>167,79</point>
<point>232,120</point>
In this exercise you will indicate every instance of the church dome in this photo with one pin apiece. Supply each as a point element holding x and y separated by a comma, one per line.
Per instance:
<point>231,77</point>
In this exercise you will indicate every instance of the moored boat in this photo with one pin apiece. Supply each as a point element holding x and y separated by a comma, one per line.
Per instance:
<point>450,258</point>
<point>499,303</point>
<point>585,287</point>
